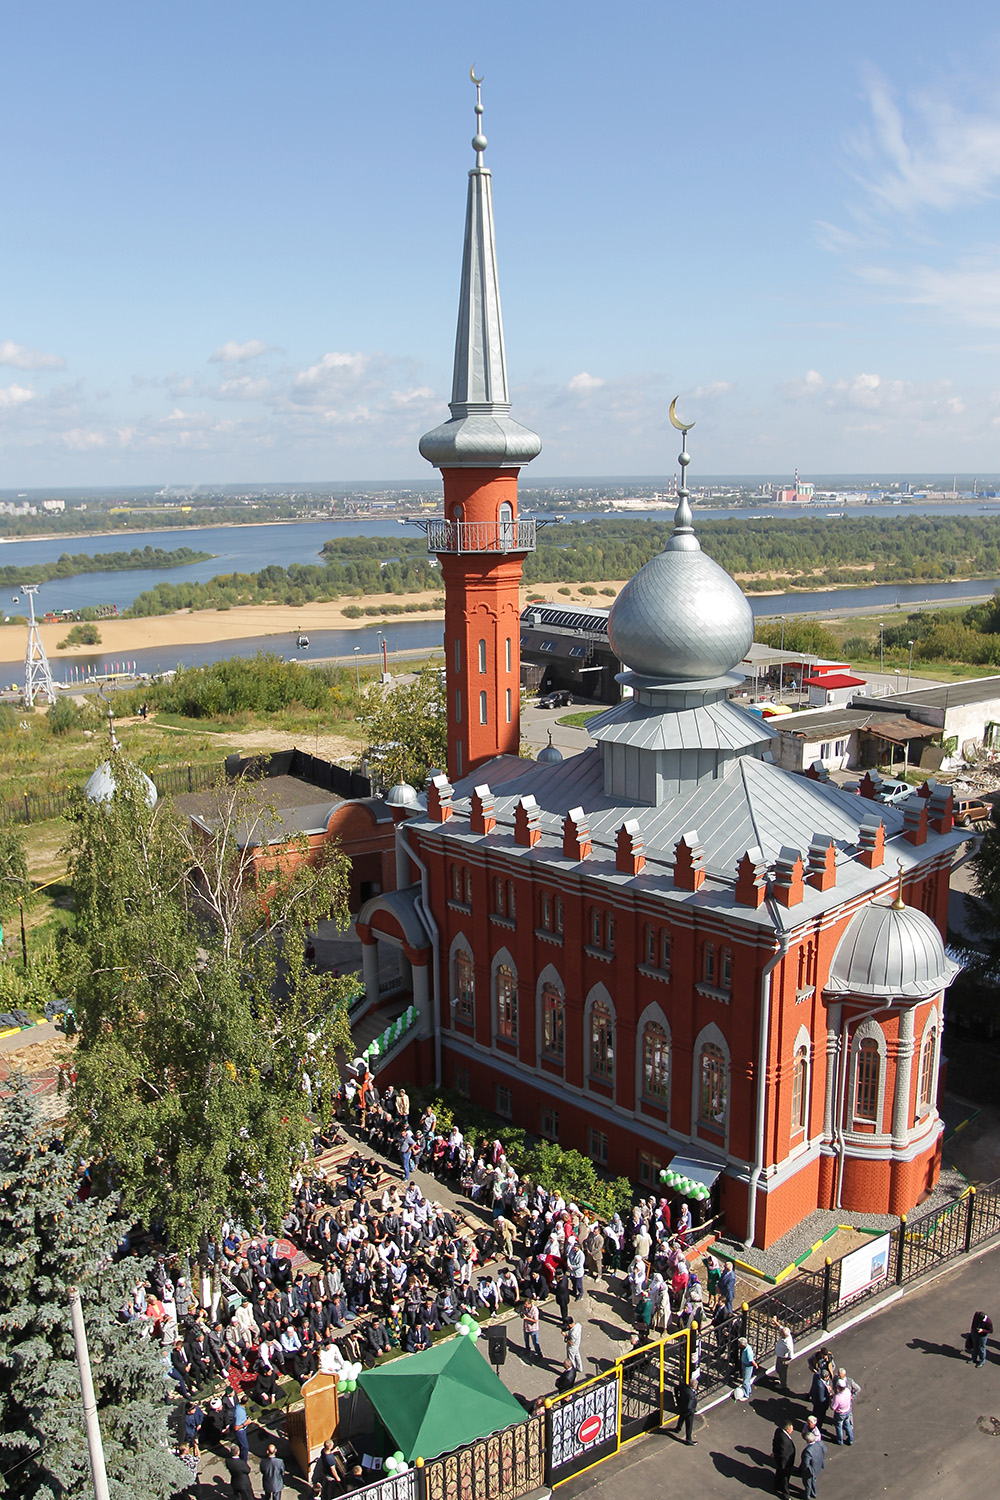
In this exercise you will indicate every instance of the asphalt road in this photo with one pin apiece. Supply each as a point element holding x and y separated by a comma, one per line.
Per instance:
<point>923,1420</point>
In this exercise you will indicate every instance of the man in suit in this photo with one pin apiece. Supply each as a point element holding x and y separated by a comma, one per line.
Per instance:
<point>573,1337</point>
<point>239,1474</point>
<point>272,1473</point>
<point>783,1453</point>
<point>687,1405</point>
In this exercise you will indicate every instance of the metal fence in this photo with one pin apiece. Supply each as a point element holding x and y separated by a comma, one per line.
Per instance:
<point>393,1487</point>
<point>503,1466</point>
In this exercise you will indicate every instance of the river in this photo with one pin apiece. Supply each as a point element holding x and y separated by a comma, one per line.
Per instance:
<point>245,549</point>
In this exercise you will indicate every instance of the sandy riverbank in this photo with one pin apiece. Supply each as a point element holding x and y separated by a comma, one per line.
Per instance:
<point>119,638</point>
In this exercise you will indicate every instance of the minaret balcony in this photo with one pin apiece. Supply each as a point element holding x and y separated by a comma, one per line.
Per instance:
<point>480,536</point>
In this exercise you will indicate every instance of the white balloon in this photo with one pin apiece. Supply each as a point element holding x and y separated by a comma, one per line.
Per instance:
<point>462,1328</point>
<point>390,1466</point>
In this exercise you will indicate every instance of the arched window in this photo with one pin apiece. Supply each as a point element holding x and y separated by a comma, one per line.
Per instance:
<point>498,895</point>
<point>800,1076</point>
<point>595,927</point>
<point>482,656</point>
<point>714,1102</point>
<point>926,1087</point>
<point>506,1003</point>
<point>602,1043</point>
<point>649,938</point>
<point>559,914</point>
<point>553,1023</point>
<point>468,887</point>
<point>511,899</point>
<point>510,706</point>
<point>508,653</point>
<point>609,933</point>
<point>655,1063</point>
<point>709,968</point>
<point>482,708</point>
<point>866,1088</point>
<point>456,882</point>
<point>505,516</point>
<point>726,969</point>
<point>665,951</point>
<point>465,992</point>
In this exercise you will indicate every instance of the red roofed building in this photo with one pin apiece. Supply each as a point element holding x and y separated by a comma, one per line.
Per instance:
<point>666,951</point>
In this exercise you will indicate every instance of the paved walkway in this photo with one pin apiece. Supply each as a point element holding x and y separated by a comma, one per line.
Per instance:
<point>926,1421</point>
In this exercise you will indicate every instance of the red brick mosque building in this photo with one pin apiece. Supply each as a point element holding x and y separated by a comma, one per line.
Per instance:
<point>666,951</point>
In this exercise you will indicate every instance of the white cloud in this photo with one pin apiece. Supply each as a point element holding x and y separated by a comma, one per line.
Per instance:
<point>583,383</point>
<point>233,353</point>
<point>15,395</point>
<point>710,391</point>
<point>21,358</point>
<point>334,370</point>
<point>893,400</point>
<point>244,388</point>
<point>934,156</point>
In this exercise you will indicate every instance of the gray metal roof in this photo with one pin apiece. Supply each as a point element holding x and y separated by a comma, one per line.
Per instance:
<point>893,951</point>
<point>401,904</point>
<point>755,804</point>
<point>556,617</point>
<point>954,695</point>
<point>480,432</point>
<point>721,725</point>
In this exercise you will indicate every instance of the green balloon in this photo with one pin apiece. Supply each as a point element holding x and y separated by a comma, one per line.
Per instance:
<point>398,1455</point>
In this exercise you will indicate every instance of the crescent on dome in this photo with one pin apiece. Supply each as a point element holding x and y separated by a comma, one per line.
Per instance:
<point>674,419</point>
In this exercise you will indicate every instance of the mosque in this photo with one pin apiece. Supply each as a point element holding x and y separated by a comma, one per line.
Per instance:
<point>667,952</point>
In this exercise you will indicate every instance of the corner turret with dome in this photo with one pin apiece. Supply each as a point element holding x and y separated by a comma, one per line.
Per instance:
<point>102,783</point>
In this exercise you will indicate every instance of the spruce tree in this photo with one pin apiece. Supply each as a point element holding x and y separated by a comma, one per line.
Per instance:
<point>50,1240</point>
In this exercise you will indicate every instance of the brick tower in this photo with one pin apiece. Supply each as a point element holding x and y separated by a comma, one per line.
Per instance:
<point>480,540</point>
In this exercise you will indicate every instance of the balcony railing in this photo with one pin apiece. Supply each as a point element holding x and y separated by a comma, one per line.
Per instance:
<point>481,536</point>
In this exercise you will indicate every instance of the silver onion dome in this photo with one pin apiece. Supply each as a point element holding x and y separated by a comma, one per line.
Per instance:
<point>893,951</point>
<point>681,618</point>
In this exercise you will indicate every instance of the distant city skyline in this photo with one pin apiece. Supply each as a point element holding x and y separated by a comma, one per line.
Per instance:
<point>234,235</point>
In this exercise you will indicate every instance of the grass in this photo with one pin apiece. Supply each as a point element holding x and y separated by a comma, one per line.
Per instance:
<point>577,721</point>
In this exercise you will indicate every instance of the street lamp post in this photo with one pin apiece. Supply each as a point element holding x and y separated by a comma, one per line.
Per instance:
<point>881,647</point>
<point>781,664</point>
<point>357,668</point>
<point>909,666</point>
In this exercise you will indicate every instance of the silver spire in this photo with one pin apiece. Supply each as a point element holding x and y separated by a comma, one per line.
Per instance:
<point>683,538</point>
<point>480,433</point>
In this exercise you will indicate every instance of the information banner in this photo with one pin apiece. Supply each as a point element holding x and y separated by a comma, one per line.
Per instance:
<point>864,1268</point>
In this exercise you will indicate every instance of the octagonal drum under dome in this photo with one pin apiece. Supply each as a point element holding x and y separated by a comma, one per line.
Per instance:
<point>893,951</point>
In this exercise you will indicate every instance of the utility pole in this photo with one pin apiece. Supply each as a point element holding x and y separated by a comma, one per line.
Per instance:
<point>881,648</point>
<point>909,666</point>
<point>95,1447</point>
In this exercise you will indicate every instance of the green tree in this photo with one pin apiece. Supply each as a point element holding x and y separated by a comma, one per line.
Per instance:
<point>14,883</point>
<point>49,1241</point>
<point>406,729</point>
<point>197,1009</point>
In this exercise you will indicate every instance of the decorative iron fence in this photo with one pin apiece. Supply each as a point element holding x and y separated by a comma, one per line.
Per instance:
<point>481,536</point>
<point>503,1466</point>
<point>393,1487</point>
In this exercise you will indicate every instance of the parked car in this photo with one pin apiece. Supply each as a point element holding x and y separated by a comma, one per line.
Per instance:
<point>969,811</point>
<point>561,698</point>
<point>894,791</point>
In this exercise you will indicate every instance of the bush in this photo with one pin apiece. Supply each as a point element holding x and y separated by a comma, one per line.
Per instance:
<point>566,592</point>
<point>63,716</point>
<point>610,593</point>
<point>588,589</point>
<point>81,635</point>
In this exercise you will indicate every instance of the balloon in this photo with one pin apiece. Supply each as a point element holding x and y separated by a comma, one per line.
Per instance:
<point>462,1328</point>
<point>398,1455</point>
<point>390,1466</point>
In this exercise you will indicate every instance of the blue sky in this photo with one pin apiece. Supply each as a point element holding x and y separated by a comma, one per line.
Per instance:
<point>232,234</point>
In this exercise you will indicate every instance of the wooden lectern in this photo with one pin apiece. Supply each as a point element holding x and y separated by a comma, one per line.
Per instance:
<point>307,1430</point>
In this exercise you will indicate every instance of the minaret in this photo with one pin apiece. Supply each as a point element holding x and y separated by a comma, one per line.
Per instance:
<point>480,541</point>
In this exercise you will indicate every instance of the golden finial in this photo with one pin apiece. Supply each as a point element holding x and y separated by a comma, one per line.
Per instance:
<point>899,904</point>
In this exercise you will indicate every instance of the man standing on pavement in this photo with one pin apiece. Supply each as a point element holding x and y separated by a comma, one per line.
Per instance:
<point>573,1336</point>
<point>982,1327</point>
<point>783,1453</point>
<point>272,1473</point>
<point>842,1408</point>
<point>727,1286</point>
<point>687,1405</point>
<point>562,1290</point>
<point>813,1459</point>
<point>239,1474</point>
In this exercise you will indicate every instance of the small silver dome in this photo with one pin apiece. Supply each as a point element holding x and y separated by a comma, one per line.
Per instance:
<point>401,795</point>
<point>891,950</point>
<point>549,755</point>
<point>101,784</point>
<point>682,618</point>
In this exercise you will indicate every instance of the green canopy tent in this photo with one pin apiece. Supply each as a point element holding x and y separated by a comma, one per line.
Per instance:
<point>439,1399</point>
